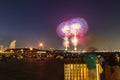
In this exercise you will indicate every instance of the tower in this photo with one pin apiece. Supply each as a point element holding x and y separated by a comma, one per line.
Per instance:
<point>13,44</point>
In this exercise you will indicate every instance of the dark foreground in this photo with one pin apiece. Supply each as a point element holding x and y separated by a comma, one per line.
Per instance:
<point>31,70</point>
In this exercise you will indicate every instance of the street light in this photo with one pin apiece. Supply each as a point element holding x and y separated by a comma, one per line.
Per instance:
<point>31,48</point>
<point>41,45</point>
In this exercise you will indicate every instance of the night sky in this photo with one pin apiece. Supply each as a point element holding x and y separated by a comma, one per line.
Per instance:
<point>32,21</point>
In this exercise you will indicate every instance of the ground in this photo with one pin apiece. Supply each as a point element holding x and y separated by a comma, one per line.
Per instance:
<point>32,70</point>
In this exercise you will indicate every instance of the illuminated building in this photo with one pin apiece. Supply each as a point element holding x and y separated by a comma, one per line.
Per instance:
<point>12,44</point>
<point>75,71</point>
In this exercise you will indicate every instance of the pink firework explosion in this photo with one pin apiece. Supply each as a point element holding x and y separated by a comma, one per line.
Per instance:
<point>71,27</point>
<point>76,27</point>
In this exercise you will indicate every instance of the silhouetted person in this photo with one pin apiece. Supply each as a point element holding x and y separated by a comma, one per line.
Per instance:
<point>91,60</point>
<point>109,67</point>
<point>116,74</point>
<point>102,63</point>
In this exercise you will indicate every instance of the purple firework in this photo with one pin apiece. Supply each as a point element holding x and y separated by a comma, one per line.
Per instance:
<point>66,28</point>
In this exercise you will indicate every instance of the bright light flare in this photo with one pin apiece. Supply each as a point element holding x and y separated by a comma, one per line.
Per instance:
<point>31,48</point>
<point>66,30</point>
<point>41,44</point>
<point>75,26</point>
<point>74,40</point>
<point>66,43</point>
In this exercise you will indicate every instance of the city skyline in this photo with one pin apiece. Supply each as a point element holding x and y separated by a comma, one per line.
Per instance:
<point>32,22</point>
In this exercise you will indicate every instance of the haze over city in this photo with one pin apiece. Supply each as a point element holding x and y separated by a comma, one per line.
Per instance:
<point>30,22</point>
